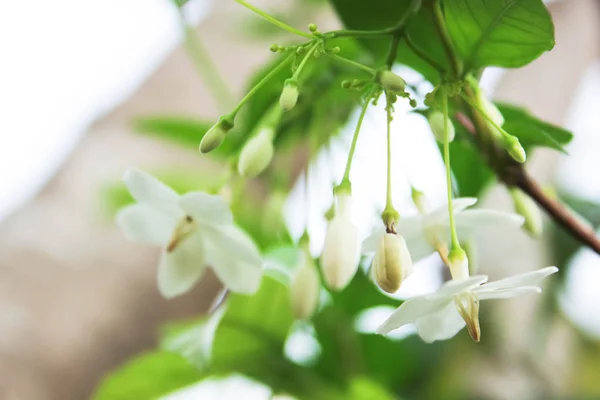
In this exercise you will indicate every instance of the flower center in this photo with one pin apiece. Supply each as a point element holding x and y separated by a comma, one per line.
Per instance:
<point>183,229</point>
<point>467,305</point>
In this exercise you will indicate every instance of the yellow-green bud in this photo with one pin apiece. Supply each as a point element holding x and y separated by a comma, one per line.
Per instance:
<point>312,28</point>
<point>458,263</point>
<point>305,289</point>
<point>390,81</point>
<point>392,262</point>
<point>289,95</point>
<point>215,135</point>
<point>528,209</point>
<point>436,122</point>
<point>514,148</point>
<point>256,154</point>
<point>489,108</point>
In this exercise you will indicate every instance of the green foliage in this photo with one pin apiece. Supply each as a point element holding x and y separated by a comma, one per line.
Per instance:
<point>504,33</point>
<point>148,376</point>
<point>185,131</point>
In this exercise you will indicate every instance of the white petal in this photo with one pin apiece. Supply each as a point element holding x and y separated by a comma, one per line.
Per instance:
<point>144,224</point>
<point>411,226</point>
<point>418,247</point>
<point>413,309</point>
<point>149,191</point>
<point>234,258</point>
<point>506,293</point>
<point>453,287</point>
<point>181,268</point>
<point>532,278</point>
<point>341,252</point>
<point>467,222</point>
<point>441,325</point>
<point>371,243</point>
<point>440,214</point>
<point>206,208</point>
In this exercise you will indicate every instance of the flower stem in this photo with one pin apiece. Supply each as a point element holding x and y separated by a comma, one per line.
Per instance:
<point>440,26</point>
<point>261,83</point>
<point>485,115</point>
<point>388,200</point>
<point>274,20</point>
<point>305,60</point>
<point>353,63</point>
<point>346,178</point>
<point>423,55</point>
<point>454,236</point>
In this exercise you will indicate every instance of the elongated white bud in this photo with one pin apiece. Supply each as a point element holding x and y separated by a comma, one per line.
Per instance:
<point>215,135</point>
<point>528,209</point>
<point>514,148</point>
<point>458,264</point>
<point>390,81</point>
<point>489,108</point>
<point>289,95</point>
<point>436,122</point>
<point>305,289</point>
<point>341,251</point>
<point>256,154</point>
<point>392,263</point>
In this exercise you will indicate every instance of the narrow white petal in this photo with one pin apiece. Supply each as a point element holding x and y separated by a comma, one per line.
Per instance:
<point>413,231</point>
<point>144,224</point>
<point>441,325</point>
<point>418,247</point>
<point>206,208</point>
<point>532,278</point>
<point>506,293</point>
<point>413,309</point>
<point>371,243</point>
<point>341,252</point>
<point>440,214</point>
<point>453,287</point>
<point>234,258</point>
<point>149,191</point>
<point>411,226</point>
<point>181,268</point>
<point>467,222</point>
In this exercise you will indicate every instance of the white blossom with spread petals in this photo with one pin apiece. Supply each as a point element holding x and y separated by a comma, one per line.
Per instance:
<point>195,230</point>
<point>441,315</point>
<point>428,233</point>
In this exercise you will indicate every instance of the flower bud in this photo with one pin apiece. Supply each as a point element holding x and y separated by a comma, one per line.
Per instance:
<point>436,122</point>
<point>458,263</point>
<point>305,289</point>
<point>215,135</point>
<point>528,209</point>
<point>392,263</point>
<point>489,108</point>
<point>390,81</point>
<point>514,148</point>
<point>256,154</point>
<point>341,251</point>
<point>289,95</point>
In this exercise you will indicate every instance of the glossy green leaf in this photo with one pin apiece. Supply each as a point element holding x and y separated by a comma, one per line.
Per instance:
<point>471,174</point>
<point>531,131</point>
<point>504,33</point>
<point>148,376</point>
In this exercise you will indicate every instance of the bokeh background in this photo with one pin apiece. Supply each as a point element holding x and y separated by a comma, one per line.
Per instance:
<point>77,300</point>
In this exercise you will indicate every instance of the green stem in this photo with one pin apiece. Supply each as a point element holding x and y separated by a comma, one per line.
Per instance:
<point>262,82</point>
<point>440,26</point>
<point>346,177</point>
<point>358,34</point>
<point>274,20</point>
<point>305,60</point>
<point>422,55</point>
<point>455,242</point>
<point>205,65</point>
<point>388,200</point>
<point>353,63</point>
<point>393,52</point>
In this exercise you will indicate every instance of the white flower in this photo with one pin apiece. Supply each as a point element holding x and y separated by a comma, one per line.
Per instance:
<point>441,315</point>
<point>428,233</point>
<point>392,263</point>
<point>195,230</point>
<point>305,289</point>
<point>341,251</point>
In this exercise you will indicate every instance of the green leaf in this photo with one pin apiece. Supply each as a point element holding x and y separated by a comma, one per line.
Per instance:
<point>531,131</point>
<point>148,376</point>
<point>181,130</point>
<point>504,33</point>
<point>471,173</point>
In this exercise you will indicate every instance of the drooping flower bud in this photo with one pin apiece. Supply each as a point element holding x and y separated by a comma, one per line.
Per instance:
<point>215,135</point>
<point>341,251</point>
<point>390,81</point>
<point>489,108</point>
<point>392,263</point>
<point>256,154</point>
<point>528,209</point>
<point>436,122</point>
<point>458,263</point>
<point>305,289</point>
<point>514,148</point>
<point>289,95</point>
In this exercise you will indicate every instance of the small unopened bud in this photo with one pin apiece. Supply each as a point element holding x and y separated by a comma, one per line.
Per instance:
<point>305,289</point>
<point>215,135</point>
<point>413,103</point>
<point>514,148</point>
<point>392,263</point>
<point>289,95</point>
<point>528,209</point>
<point>458,263</point>
<point>346,84</point>
<point>312,28</point>
<point>437,120</point>
<point>274,48</point>
<point>390,81</point>
<point>256,154</point>
<point>341,251</point>
<point>420,201</point>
